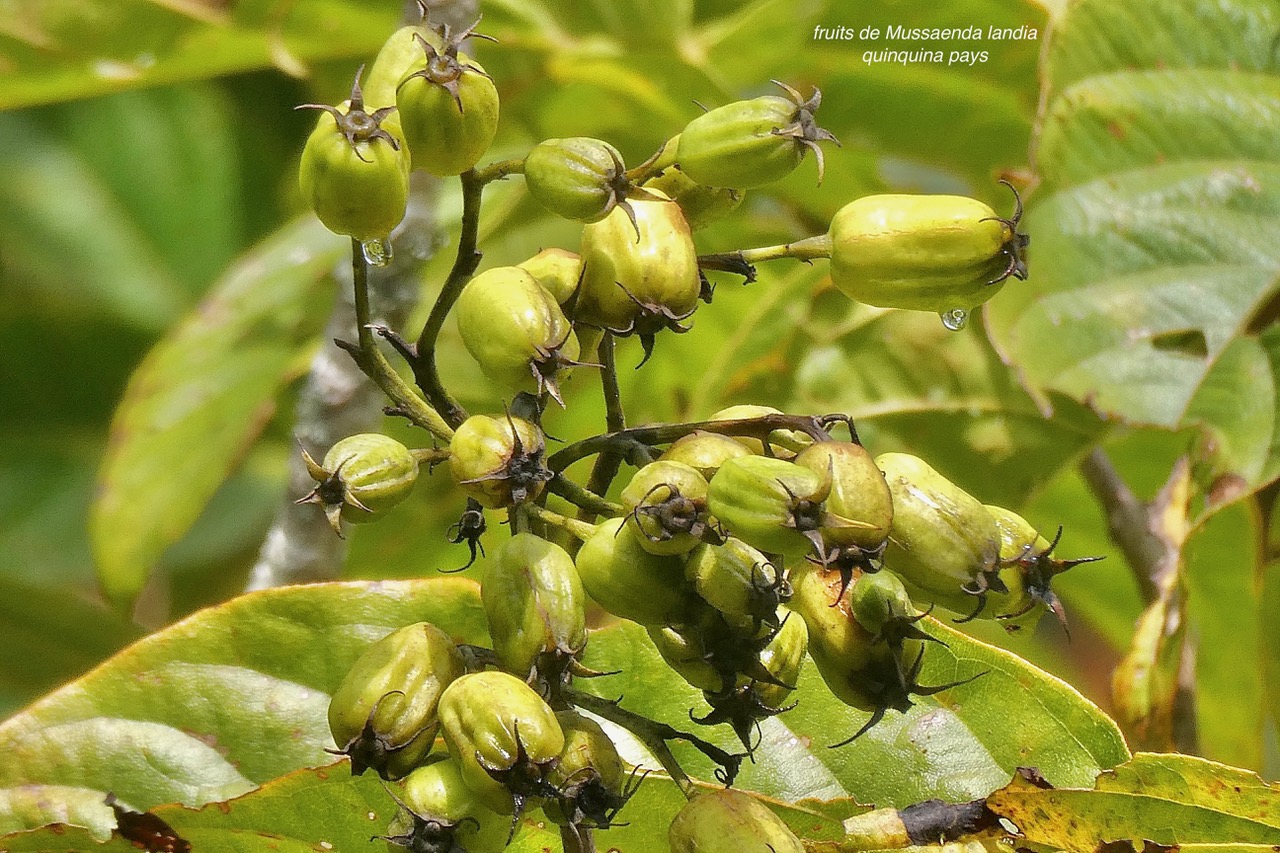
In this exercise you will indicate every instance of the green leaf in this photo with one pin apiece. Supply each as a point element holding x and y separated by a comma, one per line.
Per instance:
<point>52,635</point>
<point>200,398</point>
<point>1229,619</point>
<point>56,50</point>
<point>1159,212</point>
<point>211,707</point>
<point>70,239</point>
<point>957,746</point>
<point>237,695</point>
<point>1167,799</point>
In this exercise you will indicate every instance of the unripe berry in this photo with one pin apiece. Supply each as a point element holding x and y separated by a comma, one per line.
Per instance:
<point>448,107</point>
<point>535,605</point>
<point>498,461</point>
<point>577,178</point>
<point>591,781</point>
<point>516,332</point>
<point>666,506</point>
<point>354,171</point>
<point>639,277</point>
<point>705,452</point>
<point>784,443</point>
<point>504,737</point>
<point>924,252</point>
<point>384,713</point>
<point>770,504</point>
<point>628,581</point>
<point>859,508</point>
<point>751,143</point>
<point>361,478</point>
<point>701,205</point>
<point>557,270</point>
<point>738,581</point>
<point>730,821</point>
<point>943,542</point>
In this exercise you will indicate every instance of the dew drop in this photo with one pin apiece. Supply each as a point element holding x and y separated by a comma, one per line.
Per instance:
<point>377,252</point>
<point>955,319</point>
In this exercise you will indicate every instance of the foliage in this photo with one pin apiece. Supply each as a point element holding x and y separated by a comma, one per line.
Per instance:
<point>167,293</point>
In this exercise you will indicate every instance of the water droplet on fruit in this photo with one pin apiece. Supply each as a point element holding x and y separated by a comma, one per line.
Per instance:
<point>955,319</point>
<point>377,252</point>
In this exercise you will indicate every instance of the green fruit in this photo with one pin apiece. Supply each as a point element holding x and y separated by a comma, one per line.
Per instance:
<point>577,178</point>
<point>684,649</point>
<point>773,505</point>
<point>738,581</point>
<point>783,658</point>
<point>498,461</point>
<point>440,814</point>
<point>730,821</point>
<point>1028,568</point>
<point>384,713</point>
<point>666,506</point>
<point>397,54</point>
<point>701,205</point>
<point>354,171</point>
<point>639,277</point>
<point>705,452</point>
<point>859,508</point>
<point>628,581</point>
<point>361,478</point>
<point>448,108</point>
<point>590,777</point>
<point>516,332</point>
<point>835,634</point>
<point>784,443</point>
<point>924,252</point>
<point>535,605</point>
<point>557,270</point>
<point>504,737</point>
<point>943,542</point>
<point>751,143</point>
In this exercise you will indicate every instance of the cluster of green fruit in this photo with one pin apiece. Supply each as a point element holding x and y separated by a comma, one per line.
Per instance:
<point>743,544</point>
<point>738,564</point>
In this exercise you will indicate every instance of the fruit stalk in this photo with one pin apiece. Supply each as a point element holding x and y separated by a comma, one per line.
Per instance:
<point>627,440</point>
<point>375,365</point>
<point>426,372</point>
<point>808,249</point>
<point>607,464</point>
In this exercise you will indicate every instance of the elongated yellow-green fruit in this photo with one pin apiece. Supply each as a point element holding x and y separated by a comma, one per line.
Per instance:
<point>923,252</point>
<point>943,543</point>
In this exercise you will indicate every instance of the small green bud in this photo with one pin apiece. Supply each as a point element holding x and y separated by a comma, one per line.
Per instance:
<point>577,178</point>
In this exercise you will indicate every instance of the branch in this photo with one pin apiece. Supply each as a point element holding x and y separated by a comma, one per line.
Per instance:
<point>426,371</point>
